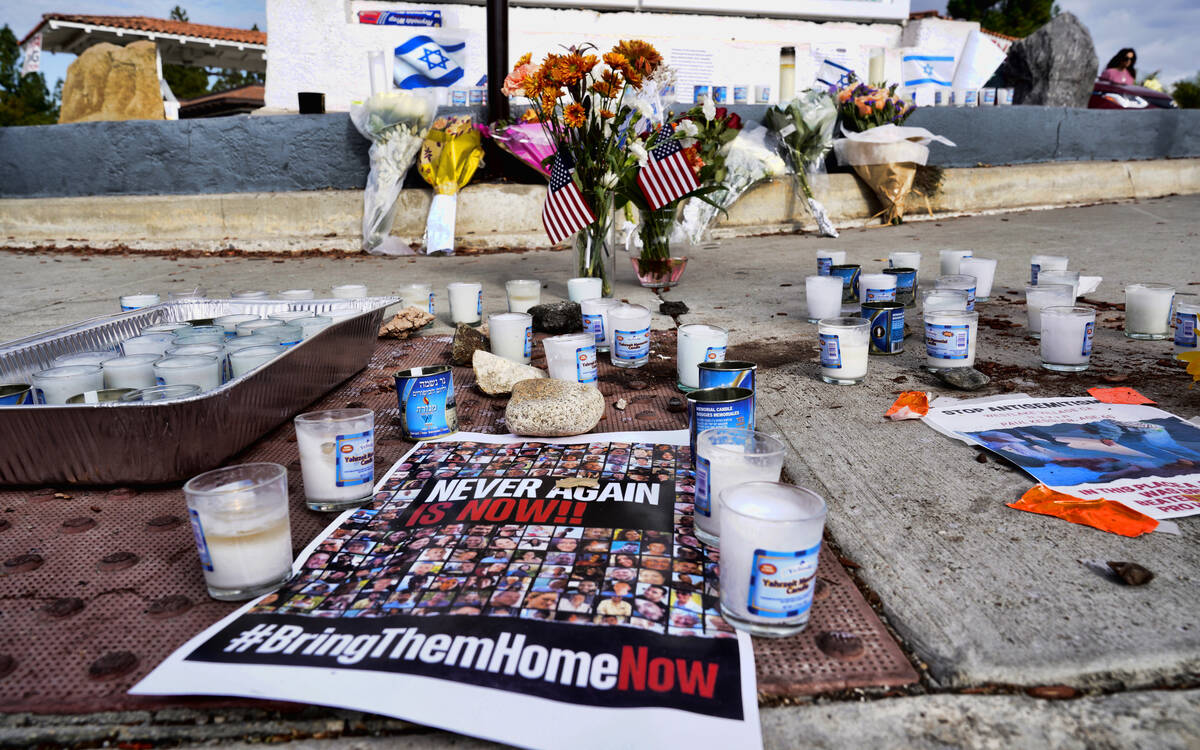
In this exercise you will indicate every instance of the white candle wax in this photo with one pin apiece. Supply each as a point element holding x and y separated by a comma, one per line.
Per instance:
<point>349,291</point>
<point>1044,295</point>
<point>133,371</point>
<point>419,296</point>
<point>877,287</point>
<point>138,301</point>
<point>230,322</point>
<point>1070,278</point>
<point>770,548</point>
<point>823,295</point>
<point>287,335</point>
<point>312,326</point>
<point>844,344</point>
<point>698,343</point>
<point>1039,263</point>
<point>199,335</point>
<point>466,302</point>
<point>57,384</point>
<point>950,260</point>
<point>196,292</point>
<point>584,287</point>
<point>245,342</point>
<point>1067,337</point>
<point>251,327</point>
<point>950,338</point>
<point>828,258</point>
<point>984,271</point>
<point>83,358</point>
<point>250,294</point>
<point>244,360</point>
<point>1148,310</point>
<point>630,335</point>
<point>523,294</point>
<point>595,320</point>
<point>149,343</point>
<point>511,336</point>
<point>725,457</point>
<point>905,259</point>
<point>944,299</point>
<point>296,294</point>
<point>572,357</point>
<point>337,456</point>
<point>290,316</point>
<point>959,281</point>
<point>201,370</point>
<point>171,328</point>
<point>1187,326</point>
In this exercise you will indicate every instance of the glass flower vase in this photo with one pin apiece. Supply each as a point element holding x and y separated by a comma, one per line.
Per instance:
<point>656,266</point>
<point>594,245</point>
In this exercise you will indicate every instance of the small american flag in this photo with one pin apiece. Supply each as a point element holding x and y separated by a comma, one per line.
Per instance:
<point>666,175</point>
<point>565,211</point>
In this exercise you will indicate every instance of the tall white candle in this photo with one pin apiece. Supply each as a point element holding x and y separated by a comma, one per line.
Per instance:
<point>420,296</point>
<point>511,336</point>
<point>828,258</point>
<point>950,337</point>
<point>349,291</point>
<point>230,322</point>
<point>1148,310</point>
<point>1039,263</point>
<point>984,271</point>
<point>823,295</point>
<point>595,319</point>
<point>201,370</point>
<point>950,260</point>
<point>584,287</point>
<point>725,457</point>
<point>337,457</point>
<point>138,301</point>
<point>149,343</point>
<point>1067,337</point>
<point>698,343</point>
<point>877,287</point>
<point>466,302</point>
<point>132,371</point>
<point>572,357</point>
<point>630,335</point>
<point>57,384</point>
<point>1044,295</point>
<point>905,259</point>
<point>844,344</point>
<point>523,294</point>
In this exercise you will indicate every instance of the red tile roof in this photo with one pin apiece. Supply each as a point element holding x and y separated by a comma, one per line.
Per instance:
<point>159,26</point>
<point>255,92</point>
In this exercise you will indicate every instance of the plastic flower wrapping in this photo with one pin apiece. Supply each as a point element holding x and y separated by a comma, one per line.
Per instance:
<point>449,157</point>
<point>396,123</point>
<point>803,129</point>
<point>525,140</point>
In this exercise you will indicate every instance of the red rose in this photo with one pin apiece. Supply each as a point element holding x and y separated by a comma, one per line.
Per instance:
<point>734,122</point>
<point>721,112</point>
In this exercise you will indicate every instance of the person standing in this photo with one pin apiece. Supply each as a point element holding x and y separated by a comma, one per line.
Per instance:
<point>1120,69</point>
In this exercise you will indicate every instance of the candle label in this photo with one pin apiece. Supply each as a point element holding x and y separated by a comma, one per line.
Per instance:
<point>887,327</point>
<point>701,501</point>
<point>880,295</point>
<point>528,341</point>
<point>479,303</point>
<point>831,352</point>
<point>782,583</point>
<point>823,265</point>
<point>1185,328</point>
<point>720,94</point>
<point>714,354</point>
<point>355,458</point>
<point>1034,270</point>
<point>947,341</point>
<point>1088,331</point>
<point>595,325</point>
<point>631,344</point>
<point>585,364</point>
<point>432,306</point>
<point>741,377</point>
<point>201,542</point>
<point>741,94</point>
<point>426,401</point>
<point>971,298</point>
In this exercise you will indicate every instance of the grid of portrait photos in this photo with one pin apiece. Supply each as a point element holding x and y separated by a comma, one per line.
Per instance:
<point>655,580</point>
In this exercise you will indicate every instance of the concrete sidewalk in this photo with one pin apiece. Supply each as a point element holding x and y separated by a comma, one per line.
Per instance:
<point>979,594</point>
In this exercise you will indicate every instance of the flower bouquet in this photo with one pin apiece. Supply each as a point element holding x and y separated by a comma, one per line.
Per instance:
<point>804,129</point>
<point>525,140</point>
<point>450,156</point>
<point>710,129</point>
<point>396,123</point>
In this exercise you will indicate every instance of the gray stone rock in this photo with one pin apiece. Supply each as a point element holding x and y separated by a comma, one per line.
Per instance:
<point>497,375</point>
<point>557,317</point>
<point>963,378</point>
<point>1055,66</point>
<point>553,408</point>
<point>467,341</point>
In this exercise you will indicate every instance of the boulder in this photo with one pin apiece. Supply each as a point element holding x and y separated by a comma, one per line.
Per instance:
<point>108,82</point>
<point>553,408</point>
<point>1055,66</point>
<point>497,375</point>
<point>467,341</point>
<point>557,317</point>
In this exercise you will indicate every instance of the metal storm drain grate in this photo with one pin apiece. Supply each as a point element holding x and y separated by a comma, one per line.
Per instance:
<point>97,586</point>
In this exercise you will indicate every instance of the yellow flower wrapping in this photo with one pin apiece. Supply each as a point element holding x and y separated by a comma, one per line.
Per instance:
<point>450,154</point>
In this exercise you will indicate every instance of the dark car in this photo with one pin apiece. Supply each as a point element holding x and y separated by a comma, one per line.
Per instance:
<point>1109,95</point>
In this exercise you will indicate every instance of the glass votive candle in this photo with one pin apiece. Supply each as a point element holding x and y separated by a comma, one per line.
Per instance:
<point>984,271</point>
<point>148,343</point>
<point>248,358</point>
<point>171,328</point>
<point>251,327</point>
<point>877,287</point>
<point>950,259</point>
<point>848,273</point>
<point>770,550</point>
<point>83,358</point>
<point>1148,311</point>
<point>296,294</point>
<point>572,357</point>
<point>950,337</point>
<point>584,287</point>
<point>57,384</point>
<point>1067,332</point>
<point>337,457</point>
<point>826,259</point>
<point>959,281</point>
<point>206,350</point>
<point>130,371</point>
<point>194,339</point>
<point>138,301</point>
<point>103,396</point>
<point>906,284</point>
<point>245,342</point>
<point>230,322</point>
<point>1044,295</point>
<point>511,336</point>
<point>1070,278</point>
<point>287,335</point>
<point>160,393</point>
<point>1039,263</point>
<point>466,302</point>
<point>595,320</point>
<point>312,326</point>
<point>250,294</point>
<point>844,344</point>
<point>944,299</point>
<point>823,295</point>
<point>523,294</point>
<point>1187,323</point>
<point>202,370</point>
<point>419,296</point>
<point>349,291</point>
<point>214,330</point>
<point>697,343</point>
<point>630,335</point>
<point>289,316</point>
<point>726,456</point>
<point>243,533</point>
<point>196,292</point>
<point>904,259</point>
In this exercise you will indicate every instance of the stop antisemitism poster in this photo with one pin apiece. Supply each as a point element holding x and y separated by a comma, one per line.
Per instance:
<point>544,593</point>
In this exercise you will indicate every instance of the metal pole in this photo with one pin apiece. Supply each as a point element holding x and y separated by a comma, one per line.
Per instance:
<point>497,57</point>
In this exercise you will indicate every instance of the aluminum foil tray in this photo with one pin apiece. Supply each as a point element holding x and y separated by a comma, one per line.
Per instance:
<point>170,441</point>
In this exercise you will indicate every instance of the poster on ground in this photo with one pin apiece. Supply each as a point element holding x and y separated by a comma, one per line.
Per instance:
<point>1140,456</point>
<point>545,593</point>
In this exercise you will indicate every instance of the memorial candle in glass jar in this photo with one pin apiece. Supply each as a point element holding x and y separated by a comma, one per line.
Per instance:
<point>844,346</point>
<point>511,336</point>
<point>1148,311</point>
<point>697,343</point>
<point>630,335</point>
<point>1067,333</point>
<point>337,457</point>
<point>1045,295</point>
<point>950,337</point>
<point>571,357</point>
<point>466,302</point>
<point>130,371</point>
<point>523,294</point>
<point>595,319</point>
<point>950,260</point>
<point>823,296</point>
<point>57,384</point>
<point>204,371</point>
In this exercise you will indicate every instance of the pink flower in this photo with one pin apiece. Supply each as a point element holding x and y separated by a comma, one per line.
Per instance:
<point>514,83</point>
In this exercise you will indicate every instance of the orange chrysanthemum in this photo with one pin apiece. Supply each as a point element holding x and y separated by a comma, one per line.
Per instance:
<point>607,115</point>
<point>641,55</point>
<point>546,72</point>
<point>530,115</point>
<point>525,60</point>
<point>615,60</point>
<point>574,116</point>
<point>691,155</point>
<point>571,69</point>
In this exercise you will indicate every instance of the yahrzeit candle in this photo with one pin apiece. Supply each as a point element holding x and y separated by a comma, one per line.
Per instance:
<point>1044,295</point>
<point>826,259</point>
<point>877,287</point>
<point>201,370</point>
<point>725,457</point>
<point>950,260</point>
<point>944,299</point>
<point>83,358</point>
<point>844,345</point>
<point>251,327</point>
<point>523,294</point>
<point>420,296</point>
<point>242,530</point>
<point>230,322</point>
<point>1187,326</point>
<point>250,294</point>
<point>149,343</point>
<point>249,358</point>
<point>337,457</point>
<point>950,337</point>
<point>290,316</point>
<point>466,302</point>
<point>595,319</point>
<point>1070,278</point>
<point>984,271</point>
<point>1067,333</point>
<point>959,281</point>
<point>904,259</point>
<point>572,357</point>
<point>697,343</point>
<point>1039,263</point>
<point>823,296</point>
<point>312,326</point>
<point>1148,311</point>
<point>287,336</point>
<point>132,371</point>
<point>138,301</point>
<point>584,287</point>
<point>296,294</point>
<point>630,335</point>
<point>511,336</point>
<point>349,291</point>
<point>57,384</point>
<point>770,549</point>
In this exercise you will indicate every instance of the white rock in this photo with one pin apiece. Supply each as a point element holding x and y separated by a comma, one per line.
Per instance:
<point>553,408</point>
<point>497,375</point>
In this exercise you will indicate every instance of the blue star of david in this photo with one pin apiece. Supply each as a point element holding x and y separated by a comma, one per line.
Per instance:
<point>428,57</point>
<point>928,69</point>
<point>844,79</point>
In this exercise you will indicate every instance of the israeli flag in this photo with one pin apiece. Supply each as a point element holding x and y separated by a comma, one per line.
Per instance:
<point>918,70</point>
<point>423,62</point>
<point>834,75</point>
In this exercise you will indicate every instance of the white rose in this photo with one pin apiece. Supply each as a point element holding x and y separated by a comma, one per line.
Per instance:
<point>609,180</point>
<point>709,109</point>
<point>687,129</point>
<point>637,149</point>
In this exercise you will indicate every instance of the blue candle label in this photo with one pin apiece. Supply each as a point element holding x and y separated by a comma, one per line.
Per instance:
<point>823,265</point>
<point>479,303</point>
<point>831,352</point>
<point>432,306</point>
<point>782,583</point>
<point>355,458</point>
<point>947,341</point>
<point>595,325</point>
<point>1088,331</point>
<point>702,501</point>
<point>880,295</point>
<point>631,344</point>
<point>585,364</point>
<point>201,542</point>
<point>1185,329</point>
<point>528,341</point>
<point>741,94</point>
<point>714,354</point>
<point>427,405</point>
<point>971,298</point>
